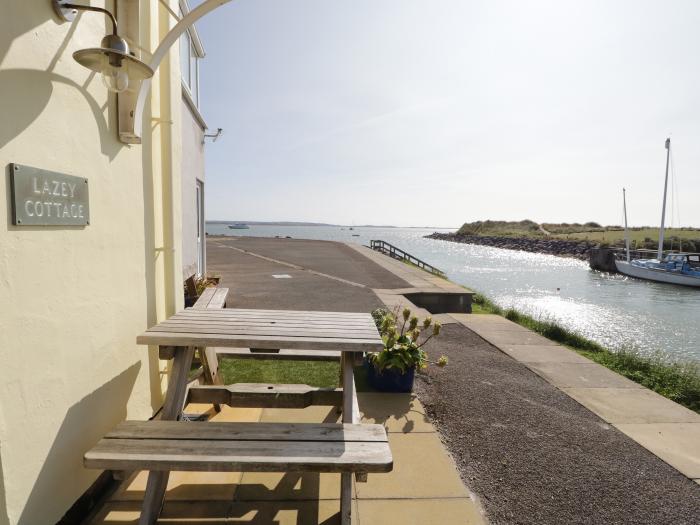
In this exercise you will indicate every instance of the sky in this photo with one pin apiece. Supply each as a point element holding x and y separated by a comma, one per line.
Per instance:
<point>440,112</point>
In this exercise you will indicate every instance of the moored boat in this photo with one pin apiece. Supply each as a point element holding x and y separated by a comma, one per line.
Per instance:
<point>674,268</point>
<point>239,226</point>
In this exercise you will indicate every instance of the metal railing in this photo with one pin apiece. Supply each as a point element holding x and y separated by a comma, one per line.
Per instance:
<point>400,255</point>
<point>642,253</point>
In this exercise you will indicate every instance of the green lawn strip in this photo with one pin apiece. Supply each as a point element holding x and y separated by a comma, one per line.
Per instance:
<point>677,381</point>
<point>324,374</point>
<point>312,373</point>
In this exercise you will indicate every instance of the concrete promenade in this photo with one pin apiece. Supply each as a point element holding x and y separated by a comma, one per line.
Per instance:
<point>667,429</point>
<point>522,442</point>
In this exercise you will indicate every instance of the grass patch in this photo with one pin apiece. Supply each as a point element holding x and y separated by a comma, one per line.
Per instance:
<point>524,228</point>
<point>313,373</point>
<point>679,382</point>
<point>553,331</point>
<point>687,238</point>
<point>323,374</point>
<point>637,235</point>
<point>484,305</point>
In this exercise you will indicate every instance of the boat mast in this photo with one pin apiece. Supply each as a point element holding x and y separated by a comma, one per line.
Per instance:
<point>627,237</point>
<point>663,209</point>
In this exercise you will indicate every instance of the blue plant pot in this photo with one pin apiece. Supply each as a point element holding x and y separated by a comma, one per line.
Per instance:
<point>390,379</point>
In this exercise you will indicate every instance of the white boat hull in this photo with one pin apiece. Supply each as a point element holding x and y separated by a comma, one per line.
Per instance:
<point>651,274</point>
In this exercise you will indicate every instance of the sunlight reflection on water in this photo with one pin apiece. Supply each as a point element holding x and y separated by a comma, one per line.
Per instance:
<point>611,309</point>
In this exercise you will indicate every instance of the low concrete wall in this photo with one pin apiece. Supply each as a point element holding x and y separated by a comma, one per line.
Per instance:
<point>442,302</point>
<point>602,259</point>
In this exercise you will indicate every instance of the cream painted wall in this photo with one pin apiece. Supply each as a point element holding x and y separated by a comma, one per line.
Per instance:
<point>74,299</point>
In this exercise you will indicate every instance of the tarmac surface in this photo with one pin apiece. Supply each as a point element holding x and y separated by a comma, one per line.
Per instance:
<point>528,451</point>
<point>252,283</point>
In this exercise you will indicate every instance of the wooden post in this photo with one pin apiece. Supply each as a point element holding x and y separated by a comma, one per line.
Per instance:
<point>174,400</point>
<point>349,416</point>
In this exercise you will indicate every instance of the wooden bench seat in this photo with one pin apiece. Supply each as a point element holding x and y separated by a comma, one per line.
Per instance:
<point>242,447</point>
<point>212,297</point>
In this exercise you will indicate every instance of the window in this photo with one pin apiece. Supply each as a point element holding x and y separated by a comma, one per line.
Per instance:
<point>189,64</point>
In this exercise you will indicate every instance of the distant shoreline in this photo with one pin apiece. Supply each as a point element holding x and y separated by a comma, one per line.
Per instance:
<point>283,223</point>
<point>559,247</point>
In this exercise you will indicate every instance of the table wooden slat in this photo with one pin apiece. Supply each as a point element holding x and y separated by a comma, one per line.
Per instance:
<point>262,330</point>
<point>295,330</point>
<point>278,314</point>
<point>184,318</point>
<point>265,322</point>
<point>237,341</point>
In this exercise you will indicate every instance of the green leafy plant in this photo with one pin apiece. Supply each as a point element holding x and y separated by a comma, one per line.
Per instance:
<point>403,348</point>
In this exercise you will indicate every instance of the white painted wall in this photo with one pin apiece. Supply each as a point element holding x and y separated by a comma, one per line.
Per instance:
<point>192,170</point>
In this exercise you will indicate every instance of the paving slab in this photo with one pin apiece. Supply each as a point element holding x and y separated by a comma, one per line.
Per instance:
<point>678,444</point>
<point>460,511</point>
<point>543,354</point>
<point>274,486</point>
<point>513,337</point>
<point>312,414</point>
<point>422,469</point>
<point>489,322</point>
<point>401,413</point>
<point>444,318</point>
<point>581,375</point>
<point>632,405</point>
<point>192,512</point>
<point>187,486</point>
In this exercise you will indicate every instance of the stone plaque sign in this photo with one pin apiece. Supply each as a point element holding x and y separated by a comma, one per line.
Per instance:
<point>46,198</point>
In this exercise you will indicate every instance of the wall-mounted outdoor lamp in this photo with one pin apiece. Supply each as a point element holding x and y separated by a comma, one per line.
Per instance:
<point>213,136</point>
<point>112,59</point>
<point>120,67</point>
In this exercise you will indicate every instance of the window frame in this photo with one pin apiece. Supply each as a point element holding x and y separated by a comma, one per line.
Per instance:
<point>190,75</point>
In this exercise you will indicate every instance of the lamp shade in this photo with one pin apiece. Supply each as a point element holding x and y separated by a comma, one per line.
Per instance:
<point>113,61</point>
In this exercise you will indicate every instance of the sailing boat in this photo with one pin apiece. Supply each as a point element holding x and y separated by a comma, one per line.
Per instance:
<point>675,268</point>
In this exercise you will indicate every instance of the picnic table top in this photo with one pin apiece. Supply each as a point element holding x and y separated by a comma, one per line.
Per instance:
<point>266,329</point>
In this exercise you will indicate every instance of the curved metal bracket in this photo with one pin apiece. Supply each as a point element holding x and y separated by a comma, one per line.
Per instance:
<point>67,14</point>
<point>134,137</point>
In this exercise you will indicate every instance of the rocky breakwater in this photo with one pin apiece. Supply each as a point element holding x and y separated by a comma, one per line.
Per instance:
<point>561,247</point>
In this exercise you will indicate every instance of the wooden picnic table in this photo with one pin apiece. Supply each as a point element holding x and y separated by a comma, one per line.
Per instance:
<point>177,337</point>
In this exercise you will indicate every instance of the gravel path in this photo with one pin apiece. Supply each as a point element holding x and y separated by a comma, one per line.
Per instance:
<point>533,455</point>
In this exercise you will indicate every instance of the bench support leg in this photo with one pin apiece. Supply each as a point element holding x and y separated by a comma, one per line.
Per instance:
<point>345,499</point>
<point>174,400</point>
<point>210,363</point>
<point>349,416</point>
